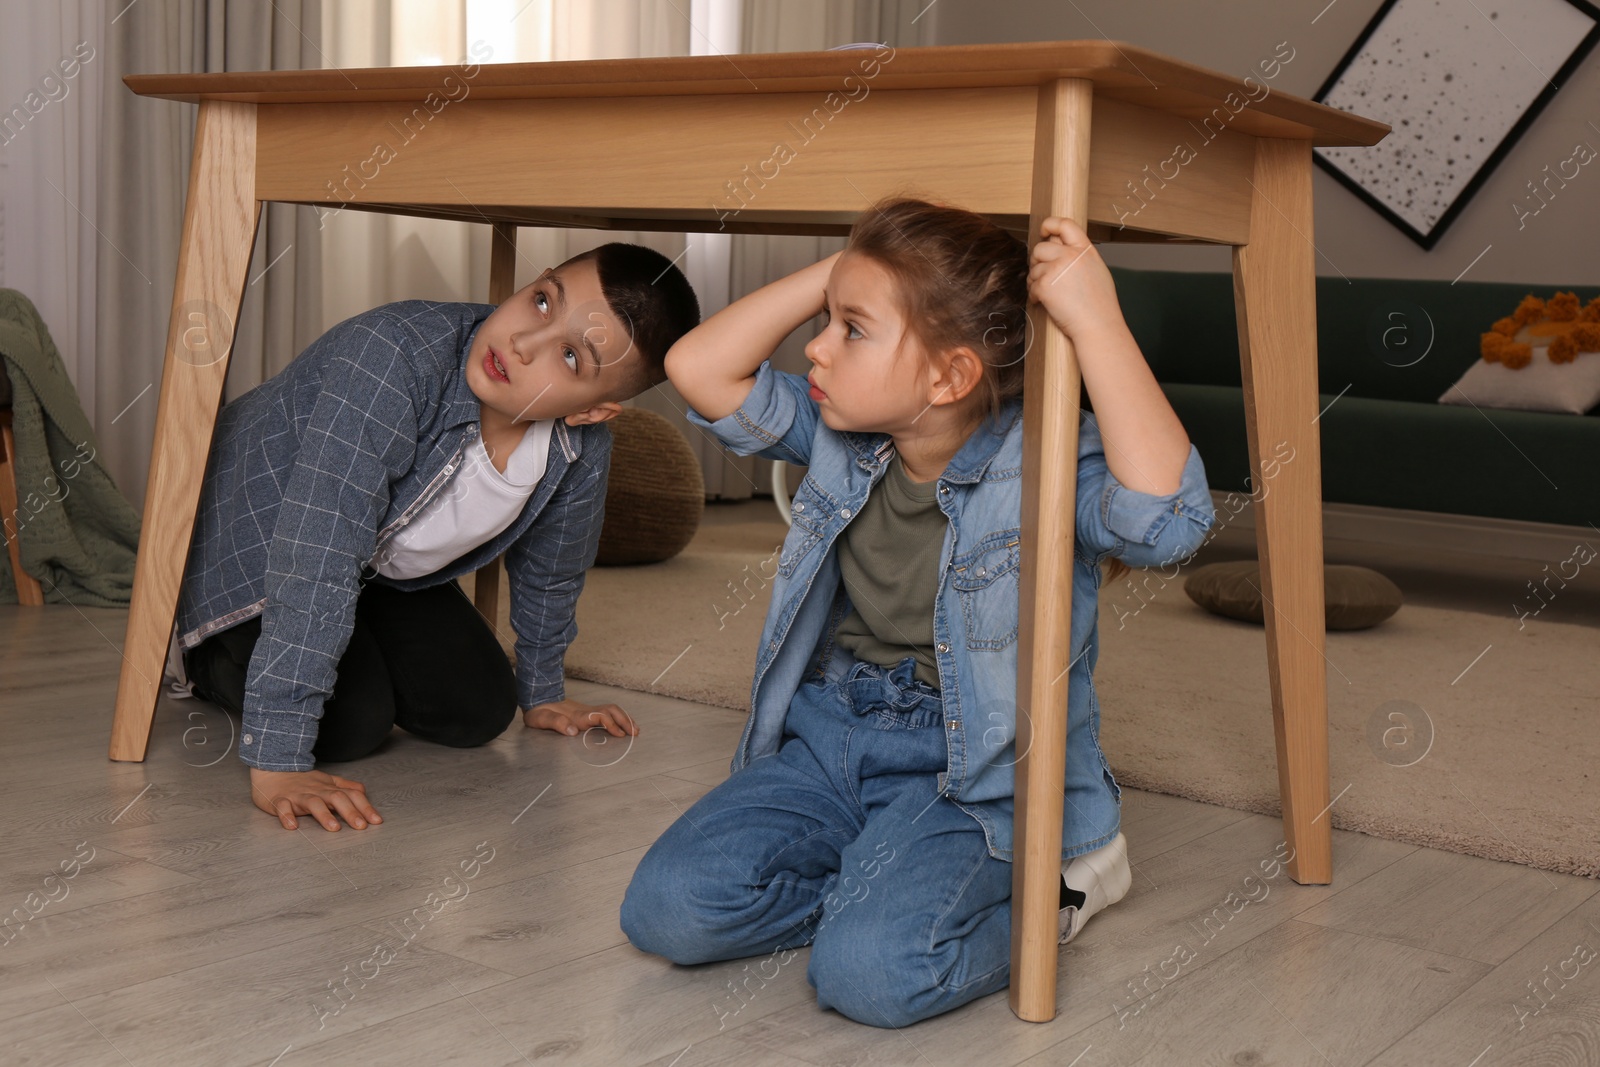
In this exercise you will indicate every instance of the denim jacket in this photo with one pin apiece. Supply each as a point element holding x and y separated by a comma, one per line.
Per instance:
<point>976,606</point>
<point>313,472</point>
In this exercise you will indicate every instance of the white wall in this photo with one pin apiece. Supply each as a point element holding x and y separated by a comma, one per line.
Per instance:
<point>1559,246</point>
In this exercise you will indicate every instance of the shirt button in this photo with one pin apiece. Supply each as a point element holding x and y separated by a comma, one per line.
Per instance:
<point>799,506</point>
<point>955,723</point>
<point>981,572</point>
<point>844,513</point>
<point>944,647</point>
<point>945,489</point>
<point>248,738</point>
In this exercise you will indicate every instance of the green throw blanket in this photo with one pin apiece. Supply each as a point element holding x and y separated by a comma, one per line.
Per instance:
<point>77,532</point>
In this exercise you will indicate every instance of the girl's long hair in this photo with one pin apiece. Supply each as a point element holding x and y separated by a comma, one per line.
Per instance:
<point>962,281</point>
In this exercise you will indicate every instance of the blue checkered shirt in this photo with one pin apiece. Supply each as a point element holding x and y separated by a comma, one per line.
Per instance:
<point>311,473</point>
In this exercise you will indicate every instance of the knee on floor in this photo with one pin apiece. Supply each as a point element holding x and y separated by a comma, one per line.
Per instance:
<point>867,983</point>
<point>483,728</point>
<point>659,914</point>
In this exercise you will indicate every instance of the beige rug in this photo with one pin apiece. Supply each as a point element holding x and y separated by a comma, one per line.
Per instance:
<point>1450,729</point>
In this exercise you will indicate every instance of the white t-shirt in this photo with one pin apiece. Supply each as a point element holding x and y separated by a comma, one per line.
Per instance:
<point>475,506</point>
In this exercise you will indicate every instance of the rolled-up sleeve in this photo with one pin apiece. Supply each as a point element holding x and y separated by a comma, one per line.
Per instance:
<point>776,421</point>
<point>1141,529</point>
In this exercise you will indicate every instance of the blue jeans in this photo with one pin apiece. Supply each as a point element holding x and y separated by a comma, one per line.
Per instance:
<point>841,840</point>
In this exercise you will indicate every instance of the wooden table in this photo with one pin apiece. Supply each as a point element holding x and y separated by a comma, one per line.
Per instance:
<point>1086,129</point>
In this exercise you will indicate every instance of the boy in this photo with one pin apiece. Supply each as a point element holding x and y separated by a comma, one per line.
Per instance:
<point>407,446</point>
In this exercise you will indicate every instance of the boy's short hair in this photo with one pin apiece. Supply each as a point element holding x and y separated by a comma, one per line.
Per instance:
<point>654,301</point>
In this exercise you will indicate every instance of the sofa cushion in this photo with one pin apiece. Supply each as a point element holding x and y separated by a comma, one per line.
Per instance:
<point>1572,388</point>
<point>1355,598</point>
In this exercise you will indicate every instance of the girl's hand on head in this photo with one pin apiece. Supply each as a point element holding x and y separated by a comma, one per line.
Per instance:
<point>573,717</point>
<point>823,271</point>
<point>714,365</point>
<point>1071,281</point>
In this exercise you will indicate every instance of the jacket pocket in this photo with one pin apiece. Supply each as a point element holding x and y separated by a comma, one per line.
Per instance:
<point>808,514</point>
<point>986,579</point>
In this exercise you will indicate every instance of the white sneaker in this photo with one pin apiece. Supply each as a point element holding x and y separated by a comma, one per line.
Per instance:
<point>1102,877</point>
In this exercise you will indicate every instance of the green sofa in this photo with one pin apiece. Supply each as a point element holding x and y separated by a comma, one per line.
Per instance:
<point>1386,442</point>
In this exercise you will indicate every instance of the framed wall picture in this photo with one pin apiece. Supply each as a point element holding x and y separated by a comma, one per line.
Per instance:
<point>1459,81</point>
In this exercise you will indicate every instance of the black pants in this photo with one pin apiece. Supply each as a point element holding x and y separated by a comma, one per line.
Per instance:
<point>424,661</point>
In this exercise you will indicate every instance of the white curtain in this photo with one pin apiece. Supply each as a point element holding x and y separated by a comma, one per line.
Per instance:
<point>140,189</point>
<point>370,259</point>
<point>52,65</point>
<point>808,25</point>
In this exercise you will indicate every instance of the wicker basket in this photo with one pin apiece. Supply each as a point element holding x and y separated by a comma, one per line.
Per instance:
<point>655,493</point>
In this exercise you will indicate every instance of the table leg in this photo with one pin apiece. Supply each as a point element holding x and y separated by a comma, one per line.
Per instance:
<point>1275,295</point>
<point>219,229</point>
<point>502,283</point>
<point>1050,478</point>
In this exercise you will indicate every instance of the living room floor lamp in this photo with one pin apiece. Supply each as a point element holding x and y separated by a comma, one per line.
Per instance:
<point>1132,144</point>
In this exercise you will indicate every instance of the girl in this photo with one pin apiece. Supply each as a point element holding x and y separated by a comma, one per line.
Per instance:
<point>869,812</point>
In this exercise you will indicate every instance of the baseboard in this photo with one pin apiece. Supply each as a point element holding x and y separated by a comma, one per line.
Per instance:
<point>1463,534</point>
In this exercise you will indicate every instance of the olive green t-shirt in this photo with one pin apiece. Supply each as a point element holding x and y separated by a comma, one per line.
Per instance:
<point>889,558</point>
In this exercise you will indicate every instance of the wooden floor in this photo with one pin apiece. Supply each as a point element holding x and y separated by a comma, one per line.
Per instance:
<point>194,930</point>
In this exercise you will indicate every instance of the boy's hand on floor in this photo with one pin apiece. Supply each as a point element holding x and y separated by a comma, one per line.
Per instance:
<point>572,717</point>
<point>318,794</point>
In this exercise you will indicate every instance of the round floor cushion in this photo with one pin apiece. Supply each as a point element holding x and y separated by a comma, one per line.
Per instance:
<point>654,494</point>
<point>1356,597</point>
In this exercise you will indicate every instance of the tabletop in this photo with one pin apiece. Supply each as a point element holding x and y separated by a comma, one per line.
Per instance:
<point>1119,71</point>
